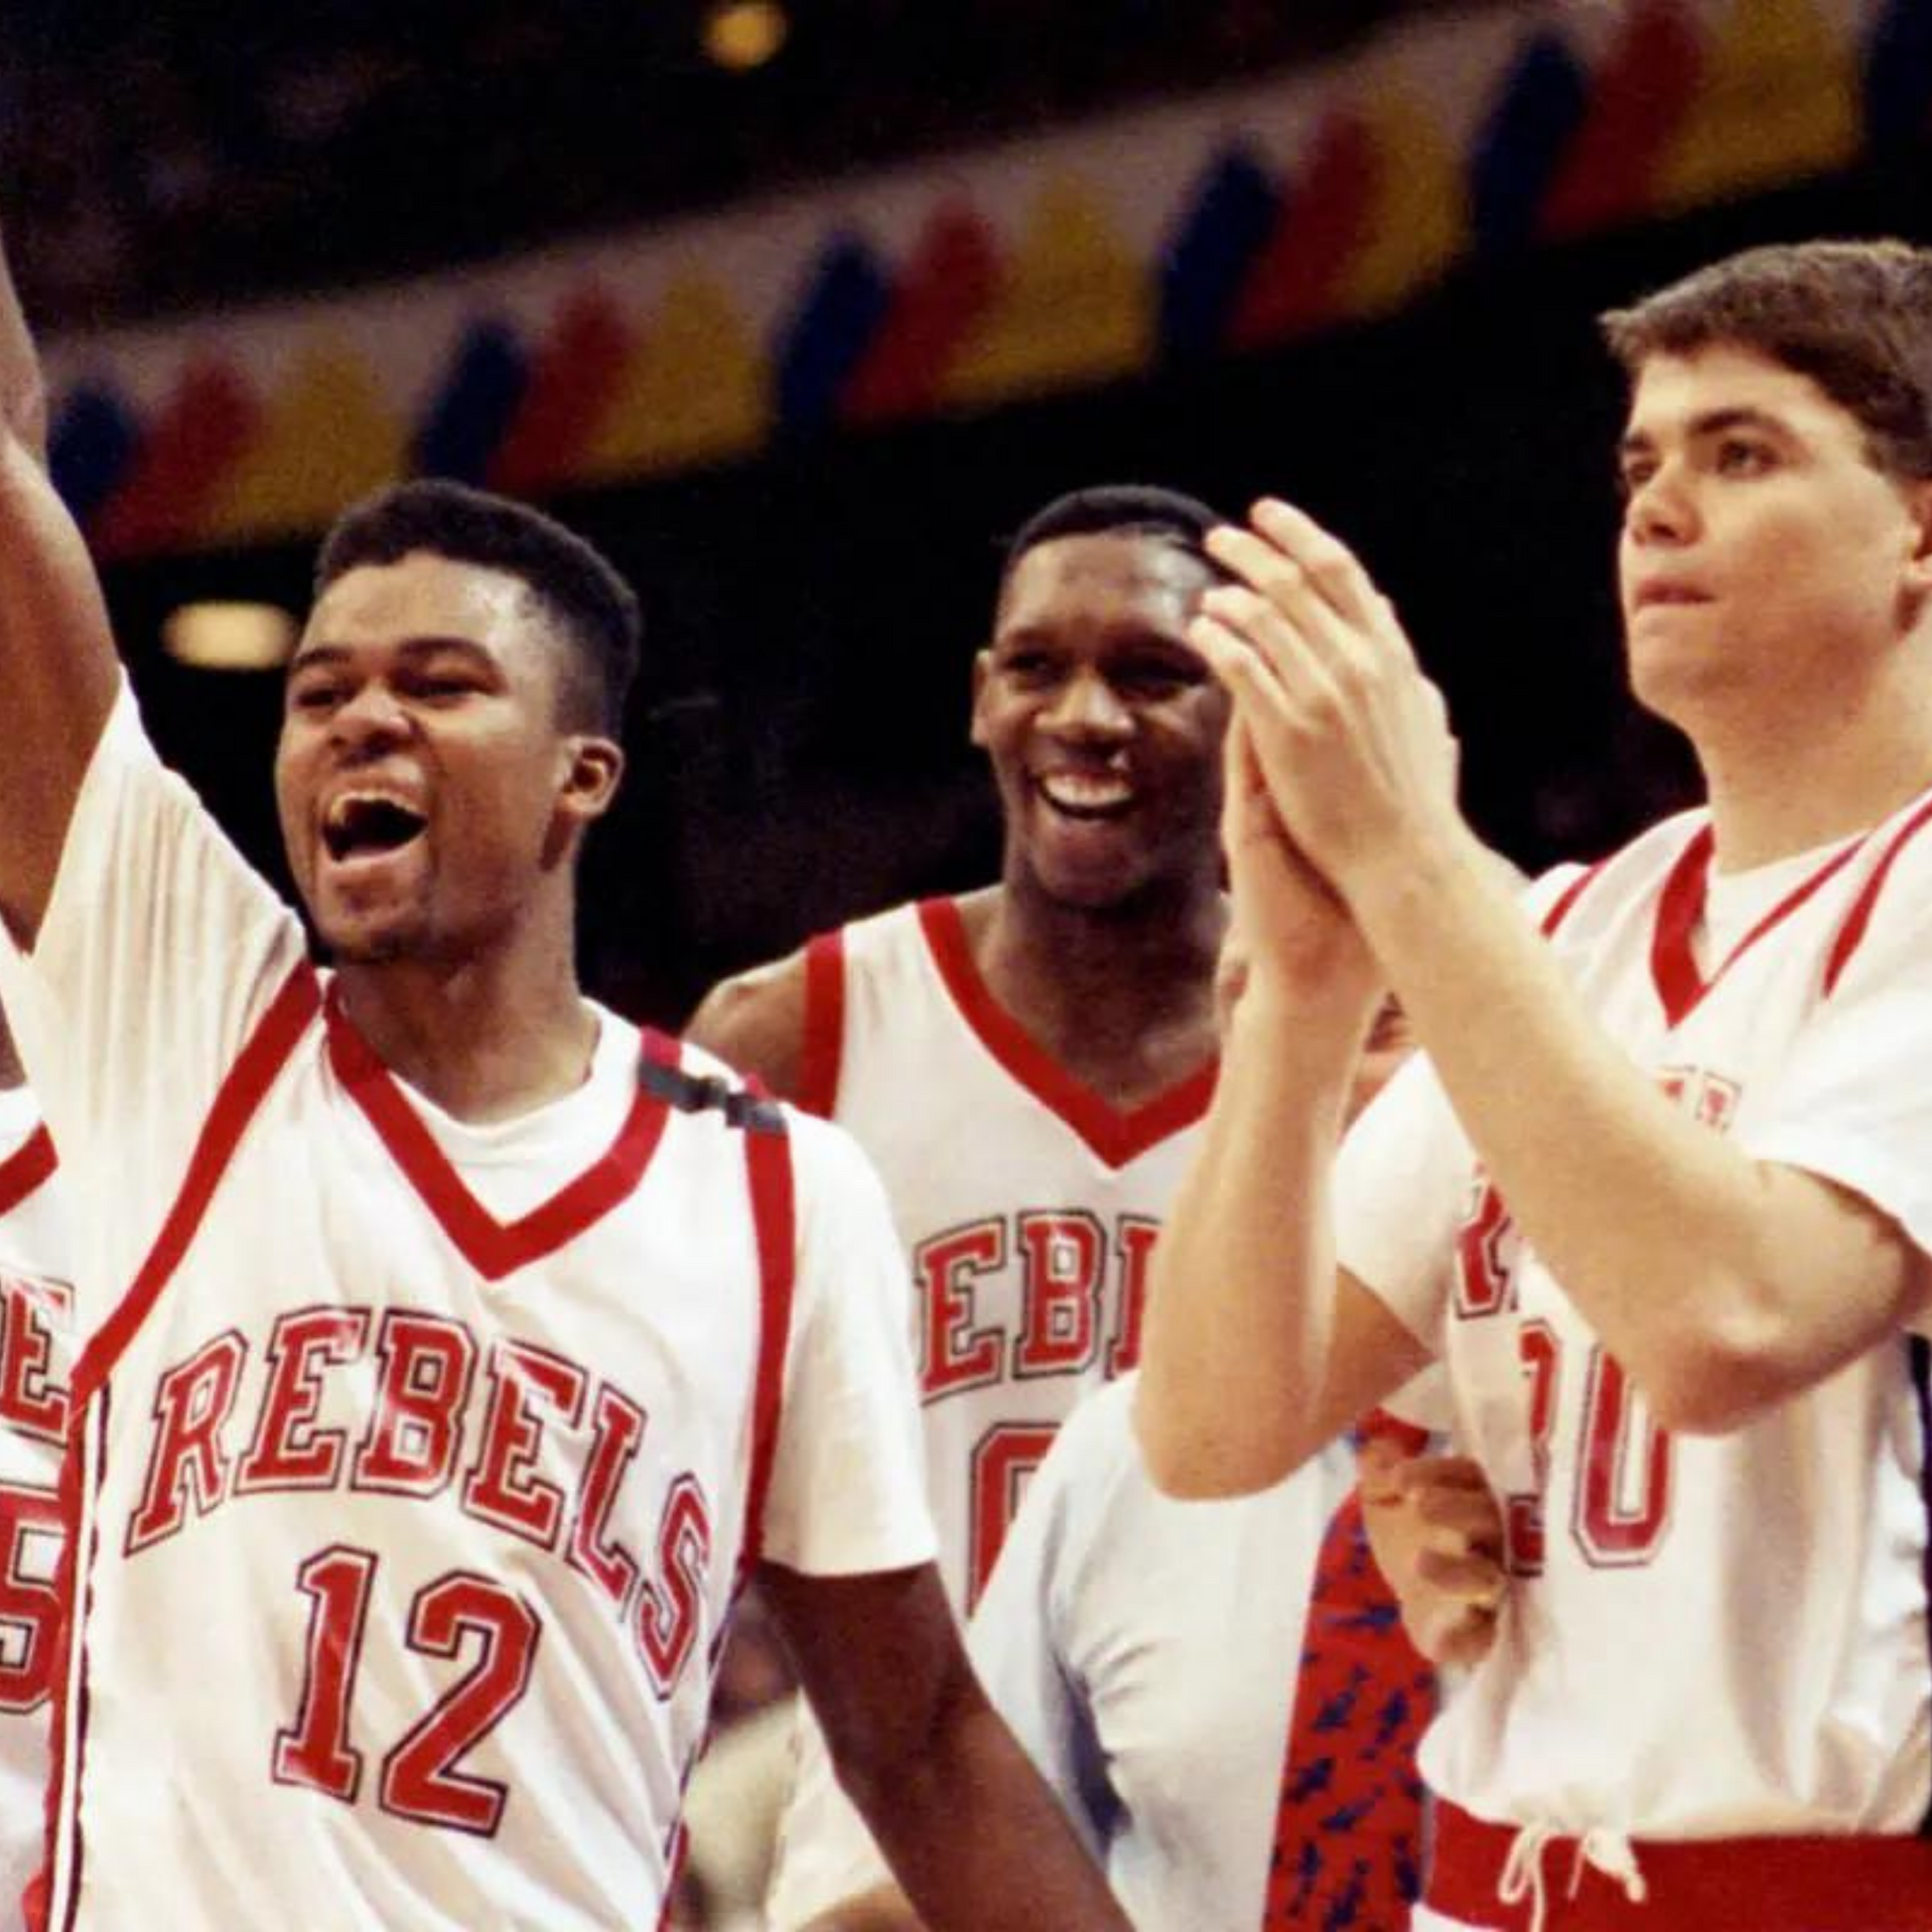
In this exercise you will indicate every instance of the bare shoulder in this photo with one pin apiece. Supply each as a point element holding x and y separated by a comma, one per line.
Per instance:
<point>755,1022</point>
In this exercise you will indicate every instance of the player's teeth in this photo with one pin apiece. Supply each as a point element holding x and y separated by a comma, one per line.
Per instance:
<point>1068,789</point>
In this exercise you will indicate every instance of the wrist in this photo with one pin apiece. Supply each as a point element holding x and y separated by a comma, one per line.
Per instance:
<point>1390,886</point>
<point>1297,1012</point>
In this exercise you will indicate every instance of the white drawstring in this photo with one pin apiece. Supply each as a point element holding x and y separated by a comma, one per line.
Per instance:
<point>1610,1853</point>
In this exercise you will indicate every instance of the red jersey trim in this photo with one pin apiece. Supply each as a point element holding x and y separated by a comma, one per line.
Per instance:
<point>1842,1882</point>
<point>1568,898</point>
<point>491,1247</point>
<point>823,1046</point>
<point>769,1169</point>
<point>1114,1136</point>
<point>30,1165</point>
<point>87,1431</point>
<point>1378,1425</point>
<point>1860,916</point>
<point>1673,964</point>
<point>240,1093</point>
<point>236,1100</point>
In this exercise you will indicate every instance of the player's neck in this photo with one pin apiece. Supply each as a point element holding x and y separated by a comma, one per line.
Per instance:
<point>485,1041</point>
<point>1784,784</point>
<point>1122,997</point>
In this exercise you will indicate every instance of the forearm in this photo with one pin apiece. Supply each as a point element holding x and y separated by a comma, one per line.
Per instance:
<point>1720,1283</point>
<point>23,388</point>
<point>58,669</point>
<point>1241,1292</point>
<point>975,1838</point>
<point>58,676</point>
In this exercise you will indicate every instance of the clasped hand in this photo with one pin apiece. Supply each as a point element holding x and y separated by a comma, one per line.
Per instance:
<point>1340,753</point>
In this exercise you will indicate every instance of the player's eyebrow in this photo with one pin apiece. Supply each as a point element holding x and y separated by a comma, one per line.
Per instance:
<point>411,650</point>
<point>1707,423</point>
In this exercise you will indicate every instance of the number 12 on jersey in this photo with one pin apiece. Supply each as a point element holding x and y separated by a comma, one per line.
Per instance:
<point>420,1779</point>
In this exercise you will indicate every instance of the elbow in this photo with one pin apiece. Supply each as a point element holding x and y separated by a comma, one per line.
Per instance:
<point>1719,1375</point>
<point>1196,1460</point>
<point>27,417</point>
<point>23,410</point>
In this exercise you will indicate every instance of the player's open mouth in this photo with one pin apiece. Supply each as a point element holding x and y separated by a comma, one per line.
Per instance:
<point>368,825</point>
<point>1087,794</point>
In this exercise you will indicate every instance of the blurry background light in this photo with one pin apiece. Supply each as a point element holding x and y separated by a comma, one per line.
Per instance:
<point>229,636</point>
<point>744,34</point>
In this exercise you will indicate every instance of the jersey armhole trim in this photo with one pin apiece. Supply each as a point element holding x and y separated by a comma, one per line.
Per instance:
<point>823,1045</point>
<point>1852,929</point>
<point>1568,898</point>
<point>773,1195</point>
<point>29,1166</point>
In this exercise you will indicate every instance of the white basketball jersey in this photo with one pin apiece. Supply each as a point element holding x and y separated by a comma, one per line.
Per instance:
<point>36,1352</point>
<point>417,1463</point>
<point>1707,1636</point>
<point>1028,1205</point>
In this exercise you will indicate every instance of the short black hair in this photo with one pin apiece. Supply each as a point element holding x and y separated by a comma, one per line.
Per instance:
<point>1121,509</point>
<point>593,607</point>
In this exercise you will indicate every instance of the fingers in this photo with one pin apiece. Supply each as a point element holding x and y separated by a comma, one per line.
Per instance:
<point>1268,733</point>
<point>1467,1579</point>
<point>1462,1642</point>
<point>1426,1474</point>
<point>1258,654</point>
<point>1311,577</point>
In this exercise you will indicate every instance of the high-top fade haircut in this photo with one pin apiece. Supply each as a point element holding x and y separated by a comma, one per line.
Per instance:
<point>1123,511</point>
<point>1855,317</point>
<point>595,610</point>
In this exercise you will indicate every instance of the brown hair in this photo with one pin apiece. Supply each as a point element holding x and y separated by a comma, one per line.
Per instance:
<point>1855,317</point>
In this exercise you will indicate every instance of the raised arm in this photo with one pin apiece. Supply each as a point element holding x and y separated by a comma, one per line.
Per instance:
<point>1724,1284</point>
<point>1256,1355</point>
<point>58,670</point>
<point>970,1831</point>
<point>755,1022</point>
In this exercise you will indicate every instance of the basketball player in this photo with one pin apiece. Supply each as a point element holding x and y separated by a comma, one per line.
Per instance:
<point>451,1352</point>
<point>36,1308</point>
<point>1667,1180</point>
<point>1023,1064</point>
<point>1027,1064</point>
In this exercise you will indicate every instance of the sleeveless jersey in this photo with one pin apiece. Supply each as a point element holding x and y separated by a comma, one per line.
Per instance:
<point>36,1351</point>
<point>1707,1636</point>
<point>415,1465</point>
<point>1028,1204</point>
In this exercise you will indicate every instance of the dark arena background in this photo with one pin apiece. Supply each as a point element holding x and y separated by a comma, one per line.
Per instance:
<point>881,188</point>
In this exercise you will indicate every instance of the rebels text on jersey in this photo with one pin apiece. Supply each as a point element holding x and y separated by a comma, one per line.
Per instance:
<point>419,1464</point>
<point>1029,1204</point>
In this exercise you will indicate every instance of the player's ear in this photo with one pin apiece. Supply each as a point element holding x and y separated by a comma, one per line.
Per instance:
<point>1917,575</point>
<point>982,676</point>
<point>593,771</point>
